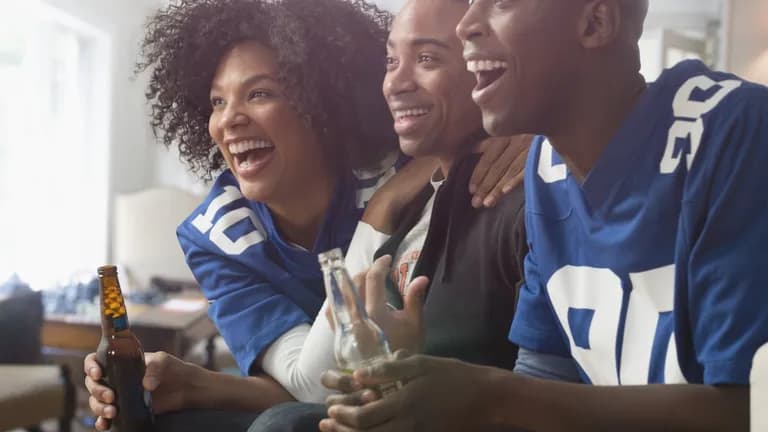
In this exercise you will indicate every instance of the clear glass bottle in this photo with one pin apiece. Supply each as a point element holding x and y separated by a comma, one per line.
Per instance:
<point>358,341</point>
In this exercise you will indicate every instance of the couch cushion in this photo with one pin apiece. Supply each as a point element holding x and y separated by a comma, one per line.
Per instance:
<point>30,394</point>
<point>21,320</point>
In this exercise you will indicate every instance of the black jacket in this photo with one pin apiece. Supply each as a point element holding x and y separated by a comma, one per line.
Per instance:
<point>474,259</point>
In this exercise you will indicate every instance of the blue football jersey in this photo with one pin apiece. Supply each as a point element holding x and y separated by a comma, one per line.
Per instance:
<point>655,268</point>
<point>258,285</point>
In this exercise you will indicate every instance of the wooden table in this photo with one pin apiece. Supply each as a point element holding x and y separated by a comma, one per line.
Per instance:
<point>174,326</point>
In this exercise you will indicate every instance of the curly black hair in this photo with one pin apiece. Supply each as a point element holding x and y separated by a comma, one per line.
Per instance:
<point>331,60</point>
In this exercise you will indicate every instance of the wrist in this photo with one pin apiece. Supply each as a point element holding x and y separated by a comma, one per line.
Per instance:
<point>498,398</point>
<point>195,384</point>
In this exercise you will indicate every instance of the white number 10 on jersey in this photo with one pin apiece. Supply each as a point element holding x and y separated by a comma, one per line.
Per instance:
<point>206,223</point>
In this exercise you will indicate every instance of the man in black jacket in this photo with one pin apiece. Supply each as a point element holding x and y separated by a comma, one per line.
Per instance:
<point>473,257</point>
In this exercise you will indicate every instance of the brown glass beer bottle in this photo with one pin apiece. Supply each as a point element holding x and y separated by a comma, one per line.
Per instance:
<point>121,358</point>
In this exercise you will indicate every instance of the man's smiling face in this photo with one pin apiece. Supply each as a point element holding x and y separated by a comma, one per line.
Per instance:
<point>524,54</point>
<point>427,85</point>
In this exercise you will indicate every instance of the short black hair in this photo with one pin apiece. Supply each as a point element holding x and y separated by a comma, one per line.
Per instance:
<point>331,63</point>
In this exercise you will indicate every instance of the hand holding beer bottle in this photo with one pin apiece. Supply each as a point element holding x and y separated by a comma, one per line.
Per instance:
<point>167,377</point>
<point>358,342</point>
<point>121,357</point>
<point>404,327</point>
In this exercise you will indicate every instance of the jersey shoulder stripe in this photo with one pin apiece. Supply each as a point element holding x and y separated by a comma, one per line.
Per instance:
<point>370,180</point>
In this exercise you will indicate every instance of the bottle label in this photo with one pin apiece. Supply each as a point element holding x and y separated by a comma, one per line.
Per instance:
<point>114,307</point>
<point>120,323</point>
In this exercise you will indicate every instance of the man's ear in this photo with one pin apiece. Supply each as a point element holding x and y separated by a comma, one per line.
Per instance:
<point>600,23</point>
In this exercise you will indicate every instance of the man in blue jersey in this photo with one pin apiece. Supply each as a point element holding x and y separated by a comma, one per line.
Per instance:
<point>646,221</point>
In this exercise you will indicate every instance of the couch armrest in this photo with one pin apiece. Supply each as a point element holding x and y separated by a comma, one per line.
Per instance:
<point>30,394</point>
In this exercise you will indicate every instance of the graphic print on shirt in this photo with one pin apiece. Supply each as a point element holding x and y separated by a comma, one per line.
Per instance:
<point>402,272</point>
<point>620,326</point>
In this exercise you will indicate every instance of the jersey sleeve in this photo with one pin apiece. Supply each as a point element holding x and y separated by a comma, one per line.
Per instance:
<point>535,326</point>
<point>724,273</point>
<point>547,366</point>
<point>248,311</point>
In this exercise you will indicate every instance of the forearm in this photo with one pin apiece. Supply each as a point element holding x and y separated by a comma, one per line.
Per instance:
<point>216,390</point>
<point>299,357</point>
<point>382,215</point>
<point>365,242</point>
<point>541,405</point>
<point>385,207</point>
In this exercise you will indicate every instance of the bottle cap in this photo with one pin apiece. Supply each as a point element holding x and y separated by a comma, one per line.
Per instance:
<point>330,257</point>
<point>107,270</point>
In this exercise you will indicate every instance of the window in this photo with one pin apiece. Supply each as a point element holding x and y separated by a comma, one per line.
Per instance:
<point>677,30</point>
<point>53,144</point>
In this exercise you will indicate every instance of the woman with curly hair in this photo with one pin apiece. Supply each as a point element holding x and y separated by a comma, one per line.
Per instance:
<point>280,101</point>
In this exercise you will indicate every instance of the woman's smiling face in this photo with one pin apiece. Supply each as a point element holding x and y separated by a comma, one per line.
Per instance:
<point>263,139</point>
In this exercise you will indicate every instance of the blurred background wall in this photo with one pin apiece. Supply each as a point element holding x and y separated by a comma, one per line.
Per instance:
<point>73,110</point>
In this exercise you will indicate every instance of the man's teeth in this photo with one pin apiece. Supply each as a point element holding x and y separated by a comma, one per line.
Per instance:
<point>485,65</point>
<point>413,112</point>
<point>244,146</point>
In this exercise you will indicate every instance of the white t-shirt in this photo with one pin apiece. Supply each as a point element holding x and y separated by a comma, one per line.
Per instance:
<point>409,250</point>
<point>300,356</point>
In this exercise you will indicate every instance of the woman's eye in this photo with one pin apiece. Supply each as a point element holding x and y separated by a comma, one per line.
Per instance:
<point>216,101</point>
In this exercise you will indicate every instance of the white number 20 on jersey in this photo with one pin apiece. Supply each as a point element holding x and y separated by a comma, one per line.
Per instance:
<point>688,113</point>
<point>598,292</point>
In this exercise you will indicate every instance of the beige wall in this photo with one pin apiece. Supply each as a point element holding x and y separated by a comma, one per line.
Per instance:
<point>748,39</point>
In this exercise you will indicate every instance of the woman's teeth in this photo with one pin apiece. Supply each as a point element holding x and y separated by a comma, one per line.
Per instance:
<point>244,146</point>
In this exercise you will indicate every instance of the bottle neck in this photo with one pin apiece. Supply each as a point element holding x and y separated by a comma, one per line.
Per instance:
<point>346,304</point>
<point>114,317</point>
